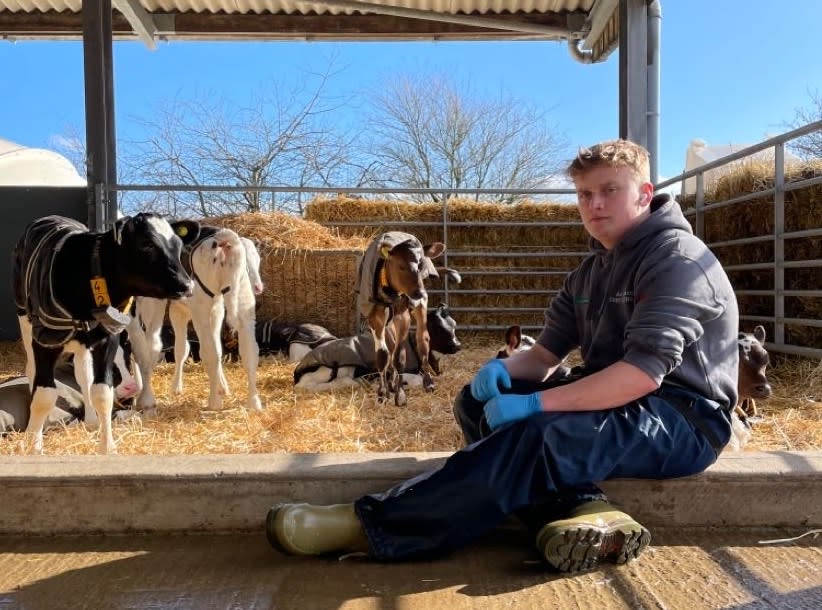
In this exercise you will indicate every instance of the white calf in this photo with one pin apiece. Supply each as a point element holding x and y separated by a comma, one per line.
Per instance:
<point>223,288</point>
<point>252,265</point>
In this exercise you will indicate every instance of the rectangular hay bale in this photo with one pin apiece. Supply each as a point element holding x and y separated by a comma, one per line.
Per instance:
<point>310,286</point>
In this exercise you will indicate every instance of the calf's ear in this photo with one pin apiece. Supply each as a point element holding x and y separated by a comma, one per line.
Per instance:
<point>759,333</point>
<point>513,336</point>
<point>434,250</point>
<point>117,229</point>
<point>186,230</point>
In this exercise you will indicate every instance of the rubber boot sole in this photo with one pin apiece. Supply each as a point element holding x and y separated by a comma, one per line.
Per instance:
<point>582,548</point>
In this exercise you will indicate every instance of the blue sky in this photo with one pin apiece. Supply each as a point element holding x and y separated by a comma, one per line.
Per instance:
<point>733,71</point>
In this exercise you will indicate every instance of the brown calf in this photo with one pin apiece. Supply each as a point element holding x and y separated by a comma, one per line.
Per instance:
<point>391,290</point>
<point>753,382</point>
<point>515,341</point>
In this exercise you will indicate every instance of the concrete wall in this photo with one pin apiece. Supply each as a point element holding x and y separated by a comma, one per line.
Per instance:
<point>19,205</point>
<point>45,495</point>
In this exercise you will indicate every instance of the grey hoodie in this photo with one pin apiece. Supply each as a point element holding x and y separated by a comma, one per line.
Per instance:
<point>659,300</point>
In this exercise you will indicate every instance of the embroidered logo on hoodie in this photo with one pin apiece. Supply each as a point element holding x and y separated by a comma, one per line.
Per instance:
<point>626,296</point>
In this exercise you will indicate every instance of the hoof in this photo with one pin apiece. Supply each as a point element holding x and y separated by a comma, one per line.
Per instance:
<point>400,398</point>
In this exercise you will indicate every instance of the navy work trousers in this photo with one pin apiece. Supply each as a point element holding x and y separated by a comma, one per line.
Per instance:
<point>538,468</point>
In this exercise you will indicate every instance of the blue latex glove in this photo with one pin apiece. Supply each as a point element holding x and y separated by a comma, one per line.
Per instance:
<point>489,380</point>
<point>505,408</point>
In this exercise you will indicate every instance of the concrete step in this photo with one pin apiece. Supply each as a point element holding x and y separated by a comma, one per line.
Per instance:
<point>124,494</point>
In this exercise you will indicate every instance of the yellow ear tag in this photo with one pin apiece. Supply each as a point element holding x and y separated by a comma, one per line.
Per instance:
<point>99,289</point>
<point>182,231</point>
<point>385,251</point>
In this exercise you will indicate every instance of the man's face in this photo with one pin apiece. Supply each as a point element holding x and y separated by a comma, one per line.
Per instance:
<point>612,201</point>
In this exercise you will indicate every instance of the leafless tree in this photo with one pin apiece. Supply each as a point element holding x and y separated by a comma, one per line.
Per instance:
<point>810,145</point>
<point>428,132</point>
<point>280,139</point>
<point>72,146</point>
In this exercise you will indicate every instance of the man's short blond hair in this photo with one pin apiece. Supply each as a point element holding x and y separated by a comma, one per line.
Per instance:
<point>612,153</point>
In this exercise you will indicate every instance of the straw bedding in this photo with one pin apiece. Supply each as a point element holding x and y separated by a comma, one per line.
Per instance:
<point>350,420</point>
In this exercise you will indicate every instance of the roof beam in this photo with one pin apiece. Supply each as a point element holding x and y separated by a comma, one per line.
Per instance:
<point>141,21</point>
<point>222,26</point>
<point>472,20</point>
<point>601,14</point>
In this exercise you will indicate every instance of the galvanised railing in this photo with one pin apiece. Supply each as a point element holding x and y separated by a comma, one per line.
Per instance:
<point>778,237</point>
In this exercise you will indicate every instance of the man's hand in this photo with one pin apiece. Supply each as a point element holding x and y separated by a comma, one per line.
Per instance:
<point>489,380</point>
<point>505,408</point>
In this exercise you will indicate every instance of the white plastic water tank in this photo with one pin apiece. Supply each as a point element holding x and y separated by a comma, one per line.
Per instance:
<point>23,166</point>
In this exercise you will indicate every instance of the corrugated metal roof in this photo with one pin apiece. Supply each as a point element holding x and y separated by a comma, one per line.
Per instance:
<point>289,19</point>
<point>481,7</point>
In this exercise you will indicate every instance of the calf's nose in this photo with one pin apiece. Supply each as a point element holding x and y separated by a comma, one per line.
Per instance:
<point>127,390</point>
<point>763,390</point>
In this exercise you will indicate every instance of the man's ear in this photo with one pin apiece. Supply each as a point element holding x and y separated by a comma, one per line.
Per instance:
<point>646,193</point>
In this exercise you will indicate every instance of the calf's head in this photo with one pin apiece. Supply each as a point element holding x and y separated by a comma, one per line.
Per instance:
<point>148,253</point>
<point>442,331</point>
<point>406,266</point>
<point>753,362</point>
<point>515,342</point>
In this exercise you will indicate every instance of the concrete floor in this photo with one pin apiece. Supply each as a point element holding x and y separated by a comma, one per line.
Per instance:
<point>687,569</point>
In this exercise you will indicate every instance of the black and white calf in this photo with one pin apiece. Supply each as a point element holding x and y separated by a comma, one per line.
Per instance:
<point>344,362</point>
<point>274,338</point>
<point>72,288</point>
<point>515,341</point>
<point>223,289</point>
<point>71,408</point>
<point>292,340</point>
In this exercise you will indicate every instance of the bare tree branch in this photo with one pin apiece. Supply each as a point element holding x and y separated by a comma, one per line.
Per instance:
<point>810,145</point>
<point>283,137</point>
<point>429,133</point>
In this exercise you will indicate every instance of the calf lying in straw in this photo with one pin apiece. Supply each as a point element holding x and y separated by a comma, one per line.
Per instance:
<point>515,341</point>
<point>350,360</point>
<point>71,407</point>
<point>753,384</point>
<point>274,338</point>
<point>753,379</point>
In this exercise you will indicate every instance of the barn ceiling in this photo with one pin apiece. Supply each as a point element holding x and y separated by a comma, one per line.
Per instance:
<point>590,26</point>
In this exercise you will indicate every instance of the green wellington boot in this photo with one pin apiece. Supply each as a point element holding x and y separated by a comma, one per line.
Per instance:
<point>305,529</point>
<point>593,532</point>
